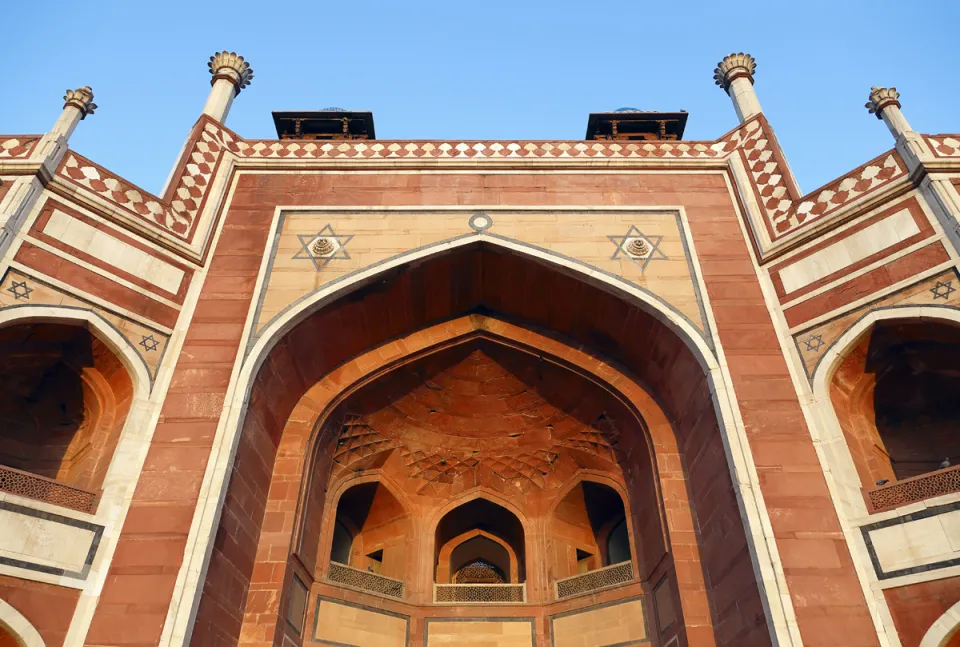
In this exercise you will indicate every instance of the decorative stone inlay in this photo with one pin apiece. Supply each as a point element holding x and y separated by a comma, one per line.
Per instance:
<point>733,67</point>
<point>941,145</point>
<point>81,99</point>
<point>20,290</point>
<point>942,290</point>
<point>18,146</point>
<point>149,343</point>
<point>638,247</point>
<point>322,247</point>
<point>480,222</point>
<point>814,343</point>
<point>881,98</point>
<point>601,578</point>
<point>917,488</point>
<point>230,66</point>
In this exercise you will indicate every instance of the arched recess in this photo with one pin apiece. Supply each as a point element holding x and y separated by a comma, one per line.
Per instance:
<point>843,386</point>
<point>450,558</point>
<point>379,526</point>
<point>483,518</point>
<point>69,380</point>
<point>945,632</point>
<point>658,359</point>
<point>581,522</point>
<point>19,630</point>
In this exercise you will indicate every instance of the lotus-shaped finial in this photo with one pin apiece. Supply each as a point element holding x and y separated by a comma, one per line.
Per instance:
<point>733,67</point>
<point>81,99</point>
<point>881,98</point>
<point>231,66</point>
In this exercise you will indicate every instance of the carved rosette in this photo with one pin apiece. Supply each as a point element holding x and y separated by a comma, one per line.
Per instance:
<point>881,98</point>
<point>733,67</point>
<point>231,67</point>
<point>81,99</point>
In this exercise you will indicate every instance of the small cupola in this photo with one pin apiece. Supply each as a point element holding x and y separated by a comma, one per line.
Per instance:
<point>329,123</point>
<point>633,124</point>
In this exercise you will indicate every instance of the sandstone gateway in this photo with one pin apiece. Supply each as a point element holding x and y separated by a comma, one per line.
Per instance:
<point>329,389</point>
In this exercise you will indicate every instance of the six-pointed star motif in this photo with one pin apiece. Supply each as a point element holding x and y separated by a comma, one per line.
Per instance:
<point>20,290</point>
<point>943,290</point>
<point>307,242</point>
<point>149,343</point>
<point>814,343</point>
<point>641,261</point>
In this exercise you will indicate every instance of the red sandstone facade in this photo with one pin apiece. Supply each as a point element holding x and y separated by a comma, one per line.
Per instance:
<point>333,390</point>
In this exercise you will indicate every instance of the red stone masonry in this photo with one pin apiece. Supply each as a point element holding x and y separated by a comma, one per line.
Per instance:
<point>819,572</point>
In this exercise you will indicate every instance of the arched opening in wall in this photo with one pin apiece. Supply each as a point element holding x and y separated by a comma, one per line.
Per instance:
<point>64,396</point>
<point>589,530</point>
<point>476,535</point>
<point>370,532</point>
<point>7,639</point>
<point>897,397</point>
<point>484,369</point>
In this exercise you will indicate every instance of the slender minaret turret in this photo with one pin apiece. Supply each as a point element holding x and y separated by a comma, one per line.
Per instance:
<point>936,189</point>
<point>231,74</point>
<point>735,75</point>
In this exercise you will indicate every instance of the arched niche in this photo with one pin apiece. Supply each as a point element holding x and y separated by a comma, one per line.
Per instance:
<point>896,394</point>
<point>371,529</point>
<point>621,341</point>
<point>583,524</point>
<point>479,530</point>
<point>64,398</point>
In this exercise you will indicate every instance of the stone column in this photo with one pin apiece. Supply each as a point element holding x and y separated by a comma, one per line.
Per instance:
<point>230,75</point>
<point>735,75</point>
<point>78,104</point>
<point>50,151</point>
<point>936,189</point>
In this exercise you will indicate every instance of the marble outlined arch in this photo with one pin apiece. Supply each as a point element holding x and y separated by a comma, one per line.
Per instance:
<point>843,481</point>
<point>946,627</point>
<point>100,327</point>
<point>23,632</point>
<point>648,301</point>
<point>776,603</point>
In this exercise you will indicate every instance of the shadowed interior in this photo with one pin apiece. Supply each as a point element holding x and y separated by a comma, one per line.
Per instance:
<point>685,450</point>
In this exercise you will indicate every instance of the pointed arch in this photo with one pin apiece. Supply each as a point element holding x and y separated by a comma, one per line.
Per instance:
<point>14,622</point>
<point>944,629</point>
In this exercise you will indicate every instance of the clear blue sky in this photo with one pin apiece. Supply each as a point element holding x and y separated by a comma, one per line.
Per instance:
<point>480,70</point>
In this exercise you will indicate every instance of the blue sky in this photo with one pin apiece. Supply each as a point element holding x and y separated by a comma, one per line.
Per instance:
<point>480,70</point>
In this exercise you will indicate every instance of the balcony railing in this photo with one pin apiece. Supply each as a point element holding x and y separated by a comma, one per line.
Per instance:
<point>47,490</point>
<point>916,488</point>
<point>355,578</point>
<point>480,593</point>
<point>601,578</point>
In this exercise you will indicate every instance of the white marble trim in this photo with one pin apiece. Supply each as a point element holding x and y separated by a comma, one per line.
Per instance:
<point>24,632</point>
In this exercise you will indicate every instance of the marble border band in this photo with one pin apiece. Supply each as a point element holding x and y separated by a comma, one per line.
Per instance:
<point>316,620</point>
<point>604,605</point>
<point>532,621</point>
<point>914,516</point>
<point>479,237</point>
<point>56,518</point>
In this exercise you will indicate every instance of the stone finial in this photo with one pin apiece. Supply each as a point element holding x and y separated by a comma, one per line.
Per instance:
<point>733,67</point>
<point>81,99</point>
<point>881,98</point>
<point>232,67</point>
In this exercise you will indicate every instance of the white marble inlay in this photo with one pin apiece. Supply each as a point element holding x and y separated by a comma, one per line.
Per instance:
<point>42,541</point>
<point>850,250</point>
<point>102,245</point>
<point>918,543</point>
